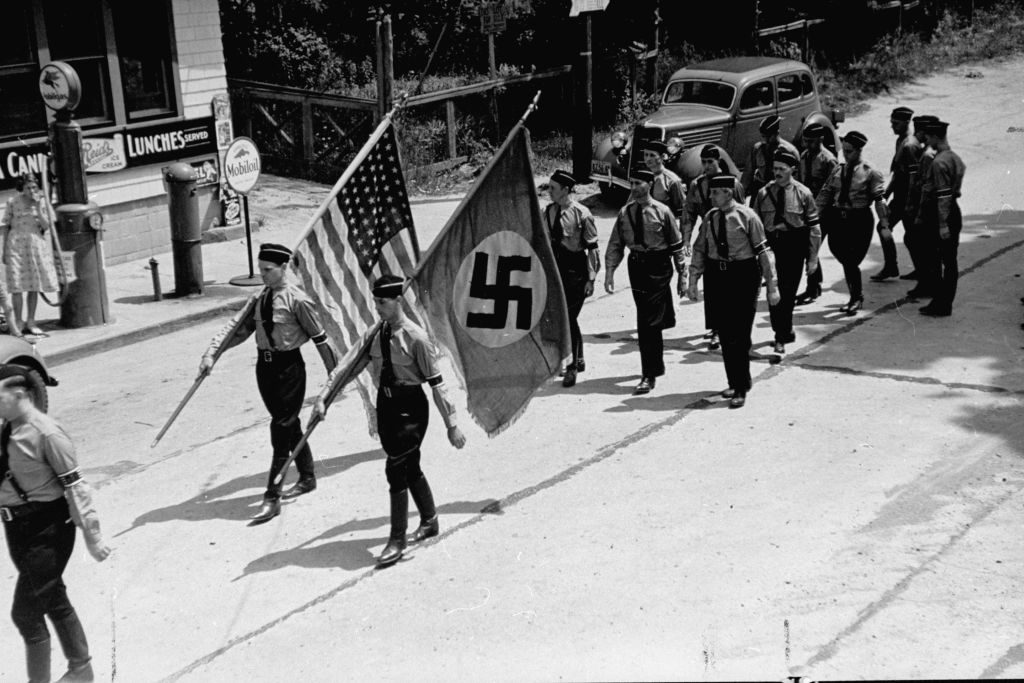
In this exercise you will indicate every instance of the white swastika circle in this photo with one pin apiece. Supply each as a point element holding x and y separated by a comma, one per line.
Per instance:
<point>500,290</point>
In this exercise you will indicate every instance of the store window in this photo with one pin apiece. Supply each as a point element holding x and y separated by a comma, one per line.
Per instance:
<point>145,63</point>
<point>74,34</point>
<point>22,111</point>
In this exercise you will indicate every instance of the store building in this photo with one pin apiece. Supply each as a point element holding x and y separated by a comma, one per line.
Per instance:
<point>150,71</point>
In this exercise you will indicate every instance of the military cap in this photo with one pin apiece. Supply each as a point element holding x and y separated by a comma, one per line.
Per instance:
<point>815,131</point>
<point>563,178</point>
<point>710,152</point>
<point>936,127</point>
<point>388,286</point>
<point>722,181</point>
<point>923,120</point>
<point>642,174</point>
<point>855,138</point>
<point>770,125</point>
<point>656,146</point>
<point>17,374</point>
<point>785,156</point>
<point>275,253</point>
<point>901,114</point>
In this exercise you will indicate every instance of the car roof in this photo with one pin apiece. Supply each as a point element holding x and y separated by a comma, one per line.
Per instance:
<point>737,70</point>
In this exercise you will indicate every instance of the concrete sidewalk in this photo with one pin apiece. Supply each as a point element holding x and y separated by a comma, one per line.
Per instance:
<point>279,207</point>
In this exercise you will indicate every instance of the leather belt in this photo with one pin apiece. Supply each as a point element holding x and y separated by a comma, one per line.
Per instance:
<point>269,356</point>
<point>399,390</point>
<point>13,512</point>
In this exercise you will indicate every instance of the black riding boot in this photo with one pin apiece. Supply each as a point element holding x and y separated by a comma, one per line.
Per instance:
<point>37,661</point>
<point>399,524</point>
<point>76,648</point>
<point>424,500</point>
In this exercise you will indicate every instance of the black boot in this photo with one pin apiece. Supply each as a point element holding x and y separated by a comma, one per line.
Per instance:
<point>37,661</point>
<point>399,524</point>
<point>76,649</point>
<point>890,269</point>
<point>424,500</point>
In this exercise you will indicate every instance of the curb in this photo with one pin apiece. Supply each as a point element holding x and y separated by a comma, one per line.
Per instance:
<point>141,334</point>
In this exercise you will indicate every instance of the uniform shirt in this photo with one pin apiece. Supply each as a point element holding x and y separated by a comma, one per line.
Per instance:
<point>796,202</point>
<point>866,186</point>
<point>413,355</point>
<point>904,163</point>
<point>668,188</point>
<point>660,231</point>
<point>917,181</point>
<point>943,182</point>
<point>39,450</point>
<point>744,232</point>
<point>698,198</point>
<point>759,166</point>
<point>576,229</point>
<point>295,321</point>
<point>814,170</point>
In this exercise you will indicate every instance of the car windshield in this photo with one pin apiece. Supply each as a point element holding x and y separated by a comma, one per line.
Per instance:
<point>711,93</point>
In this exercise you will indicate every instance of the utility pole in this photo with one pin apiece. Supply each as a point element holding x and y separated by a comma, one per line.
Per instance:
<point>583,134</point>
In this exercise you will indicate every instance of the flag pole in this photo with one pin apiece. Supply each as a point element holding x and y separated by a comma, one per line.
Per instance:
<point>338,383</point>
<point>473,190</point>
<point>239,317</point>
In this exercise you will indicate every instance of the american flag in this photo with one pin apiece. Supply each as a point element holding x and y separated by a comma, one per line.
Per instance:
<point>362,231</point>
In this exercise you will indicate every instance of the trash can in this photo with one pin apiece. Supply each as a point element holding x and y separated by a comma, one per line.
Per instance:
<point>186,231</point>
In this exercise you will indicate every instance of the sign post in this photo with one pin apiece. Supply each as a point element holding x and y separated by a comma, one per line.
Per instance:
<point>241,171</point>
<point>583,135</point>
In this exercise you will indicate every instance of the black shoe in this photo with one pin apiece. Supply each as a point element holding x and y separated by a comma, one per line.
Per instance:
<point>81,672</point>
<point>808,296</point>
<point>581,365</point>
<point>885,273</point>
<point>645,386</point>
<point>738,401</point>
<point>853,306</point>
<point>934,311</point>
<point>713,342</point>
<point>789,338</point>
<point>427,529</point>
<point>779,348</point>
<point>919,292</point>
<point>729,393</point>
<point>912,275</point>
<point>711,333</point>
<point>570,377</point>
<point>300,487</point>
<point>271,508</point>
<point>392,552</point>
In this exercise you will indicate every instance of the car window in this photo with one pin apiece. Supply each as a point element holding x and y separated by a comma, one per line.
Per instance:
<point>789,87</point>
<point>808,84</point>
<point>759,94</point>
<point>711,93</point>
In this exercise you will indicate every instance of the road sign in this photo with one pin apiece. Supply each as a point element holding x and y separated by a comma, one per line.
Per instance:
<point>242,165</point>
<point>579,6</point>
<point>492,18</point>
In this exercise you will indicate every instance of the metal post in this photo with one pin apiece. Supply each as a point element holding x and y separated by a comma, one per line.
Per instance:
<point>492,66</point>
<point>583,135</point>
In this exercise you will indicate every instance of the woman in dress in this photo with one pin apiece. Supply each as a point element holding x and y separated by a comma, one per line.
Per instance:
<point>28,253</point>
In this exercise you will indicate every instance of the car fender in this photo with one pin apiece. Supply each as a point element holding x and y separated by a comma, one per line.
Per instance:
<point>688,166</point>
<point>606,152</point>
<point>831,140</point>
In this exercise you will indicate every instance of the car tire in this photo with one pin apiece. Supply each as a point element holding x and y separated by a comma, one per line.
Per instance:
<point>38,388</point>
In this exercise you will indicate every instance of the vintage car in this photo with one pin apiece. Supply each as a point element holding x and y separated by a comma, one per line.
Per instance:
<point>719,102</point>
<point>20,352</point>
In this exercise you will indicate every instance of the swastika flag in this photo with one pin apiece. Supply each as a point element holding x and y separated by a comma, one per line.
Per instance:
<point>491,293</point>
<point>362,230</point>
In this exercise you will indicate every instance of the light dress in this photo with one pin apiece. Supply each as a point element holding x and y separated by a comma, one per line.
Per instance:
<point>28,254</point>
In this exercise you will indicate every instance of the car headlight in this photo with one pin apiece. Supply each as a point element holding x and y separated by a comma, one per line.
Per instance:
<point>619,139</point>
<point>675,145</point>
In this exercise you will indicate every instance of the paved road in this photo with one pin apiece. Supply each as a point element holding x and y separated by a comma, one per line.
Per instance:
<point>858,518</point>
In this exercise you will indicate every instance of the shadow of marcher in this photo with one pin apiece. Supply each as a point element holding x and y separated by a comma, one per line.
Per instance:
<point>221,502</point>
<point>664,402</point>
<point>350,554</point>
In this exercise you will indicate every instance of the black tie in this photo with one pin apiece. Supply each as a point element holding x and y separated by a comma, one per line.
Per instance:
<point>722,239</point>
<point>780,207</point>
<point>556,227</point>
<point>638,230</point>
<point>844,191</point>
<point>387,371</point>
<point>267,313</point>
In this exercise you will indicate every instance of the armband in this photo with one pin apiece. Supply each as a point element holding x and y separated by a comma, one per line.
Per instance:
<point>435,381</point>
<point>761,248</point>
<point>320,338</point>
<point>69,479</point>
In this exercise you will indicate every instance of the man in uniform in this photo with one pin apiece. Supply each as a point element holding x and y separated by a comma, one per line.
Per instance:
<point>574,241</point>
<point>759,167</point>
<point>403,357</point>
<point>845,208</point>
<point>939,193</point>
<point>650,231</point>
<point>668,188</point>
<point>816,165</point>
<point>786,208</point>
<point>41,493</point>
<point>698,203</point>
<point>916,237</point>
<point>904,163</point>
<point>727,254</point>
<point>283,319</point>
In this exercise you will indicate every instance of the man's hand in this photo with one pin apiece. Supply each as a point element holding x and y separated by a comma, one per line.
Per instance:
<point>588,289</point>
<point>883,223</point>
<point>773,294</point>
<point>682,283</point>
<point>687,251</point>
<point>456,437</point>
<point>99,551</point>
<point>319,408</point>
<point>691,292</point>
<point>944,233</point>
<point>609,284</point>
<point>206,365</point>
<point>811,267</point>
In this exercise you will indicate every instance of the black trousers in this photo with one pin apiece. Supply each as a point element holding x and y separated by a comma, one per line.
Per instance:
<point>946,269</point>
<point>282,384</point>
<point>815,278</point>
<point>913,242</point>
<point>790,248</point>
<point>572,267</point>
<point>849,238</point>
<point>650,276</point>
<point>402,419</point>
<point>40,544</point>
<point>734,303</point>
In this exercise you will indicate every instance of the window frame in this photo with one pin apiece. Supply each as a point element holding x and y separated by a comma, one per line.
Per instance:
<point>762,106</point>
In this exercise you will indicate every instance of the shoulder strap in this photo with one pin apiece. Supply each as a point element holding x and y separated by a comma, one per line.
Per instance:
<point>5,462</point>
